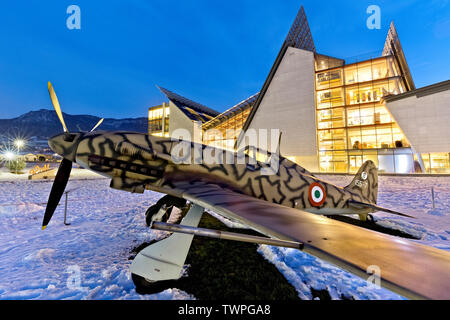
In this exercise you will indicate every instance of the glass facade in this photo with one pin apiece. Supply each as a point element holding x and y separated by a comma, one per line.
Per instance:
<point>158,120</point>
<point>224,130</point>
<point>225,134</point>
<point>436,162</point>
<point>353,123</point>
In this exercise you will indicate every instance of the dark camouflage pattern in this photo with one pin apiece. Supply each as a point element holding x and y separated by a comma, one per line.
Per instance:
<point>136,162</point>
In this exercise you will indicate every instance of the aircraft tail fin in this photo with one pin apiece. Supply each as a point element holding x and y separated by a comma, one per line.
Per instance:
<point>365,183</point>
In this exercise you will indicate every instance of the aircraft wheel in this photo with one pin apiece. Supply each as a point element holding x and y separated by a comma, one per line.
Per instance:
<point>370,218</point>
<point>169,202</point>
<point>151,212</point>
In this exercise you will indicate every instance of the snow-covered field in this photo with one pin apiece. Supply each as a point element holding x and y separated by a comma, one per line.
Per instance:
<point>89,258</point>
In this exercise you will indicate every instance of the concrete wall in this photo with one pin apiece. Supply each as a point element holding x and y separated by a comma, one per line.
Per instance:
<point>289,105</point>
<point>178,120</point>
<point>425,120</point>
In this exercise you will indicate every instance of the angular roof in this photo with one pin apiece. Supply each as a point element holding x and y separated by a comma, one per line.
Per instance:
<point>420,92</point>
<point>393,47</point>
<point>299,37</point>
<point>240,107</point>
<point>193,110</point>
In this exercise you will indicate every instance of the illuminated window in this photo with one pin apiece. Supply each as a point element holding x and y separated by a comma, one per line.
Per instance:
<point>364,71</point>
<point>367,115</point>
<point>330,98</point>
<point>340,161</point>
<point>158,120</point>
<point>370,155</point>
<point>355,161</point>
<point>369,138</point>
<point>353,123</point>
<point>380,70</point>
<point>329,79</point>
<point>398,137</point>
<point>326,161</point>
<point>437,162</point>
<point>229,131</point>
<point>382,115</point>
<point>331,118</point>
<point>351,75</point>
<point>333,139</point>
<point>384,137</point>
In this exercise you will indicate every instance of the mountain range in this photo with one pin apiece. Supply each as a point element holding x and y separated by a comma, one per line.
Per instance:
<point>45,123</point>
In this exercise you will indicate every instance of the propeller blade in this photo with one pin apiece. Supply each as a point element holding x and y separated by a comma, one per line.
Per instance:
<point>59,185</point>
<point>98,123</point>
<point>55,103</point>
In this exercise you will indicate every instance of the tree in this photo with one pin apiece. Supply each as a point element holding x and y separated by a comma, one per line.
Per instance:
<point>16,166</point>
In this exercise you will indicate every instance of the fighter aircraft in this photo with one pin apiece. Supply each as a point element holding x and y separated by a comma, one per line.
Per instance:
<point>285,206</point>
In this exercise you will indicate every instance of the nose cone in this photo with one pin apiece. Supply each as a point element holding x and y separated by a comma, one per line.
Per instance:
<point>65,145</point>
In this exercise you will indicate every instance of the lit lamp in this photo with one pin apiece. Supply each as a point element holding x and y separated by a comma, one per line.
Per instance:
<point>8,155</point>
<point>19,143</point>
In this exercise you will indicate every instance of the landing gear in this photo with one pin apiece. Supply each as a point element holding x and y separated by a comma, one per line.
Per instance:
<point>367,218</point>
<point>163,208</point>
<point>164,260</point>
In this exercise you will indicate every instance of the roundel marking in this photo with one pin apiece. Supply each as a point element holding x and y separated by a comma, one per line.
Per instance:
<point>317,194</point>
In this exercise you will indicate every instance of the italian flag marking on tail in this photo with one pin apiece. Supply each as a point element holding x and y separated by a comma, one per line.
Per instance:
<point>317,194</point>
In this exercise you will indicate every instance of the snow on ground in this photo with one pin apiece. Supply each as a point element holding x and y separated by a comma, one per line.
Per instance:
<point>89,258</point>
<point>76,173</point>
<point>412,195</point>
<point>105,225</point>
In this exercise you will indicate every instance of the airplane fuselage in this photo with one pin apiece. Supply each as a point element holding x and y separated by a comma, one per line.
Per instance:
<point>136,162</point>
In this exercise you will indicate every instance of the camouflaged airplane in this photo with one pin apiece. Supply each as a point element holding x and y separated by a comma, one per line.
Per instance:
<point>287,207</point>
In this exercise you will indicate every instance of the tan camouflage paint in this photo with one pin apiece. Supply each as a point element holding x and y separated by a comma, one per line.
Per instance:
<point>136,162</point>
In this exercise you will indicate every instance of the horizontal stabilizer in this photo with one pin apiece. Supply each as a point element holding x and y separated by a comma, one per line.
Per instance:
<point>377,208</point>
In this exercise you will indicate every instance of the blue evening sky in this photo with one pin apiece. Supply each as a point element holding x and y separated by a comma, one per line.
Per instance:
<point>214,52</point>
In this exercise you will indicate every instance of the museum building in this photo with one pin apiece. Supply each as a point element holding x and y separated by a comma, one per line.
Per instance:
<point>333,113</point>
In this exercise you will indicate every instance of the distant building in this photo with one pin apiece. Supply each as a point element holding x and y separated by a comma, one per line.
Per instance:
<point>180,112</point>
<point>29,157</point>
<point>337,113</point>
<point>158,120</point>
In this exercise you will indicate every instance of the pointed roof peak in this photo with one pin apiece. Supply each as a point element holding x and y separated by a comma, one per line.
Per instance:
<point>391,39</point>
<point>392,47</point>
<point>299,35</point>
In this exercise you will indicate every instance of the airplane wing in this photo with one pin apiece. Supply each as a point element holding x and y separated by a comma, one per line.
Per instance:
<point>412,270</point>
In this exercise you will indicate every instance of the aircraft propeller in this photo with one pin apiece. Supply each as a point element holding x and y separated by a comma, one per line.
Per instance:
<point>98,123</point>
<point>63,174</point>
<point>64,144</point>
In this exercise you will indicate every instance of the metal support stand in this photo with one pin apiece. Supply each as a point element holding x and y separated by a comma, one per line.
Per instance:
<point>432,197</point>
<point>225,235</point>
<point>65,210</point>
<point>65,206</point>
<point>164,260</point>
